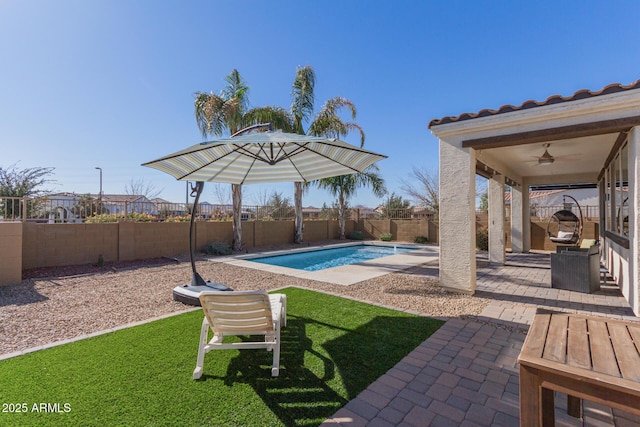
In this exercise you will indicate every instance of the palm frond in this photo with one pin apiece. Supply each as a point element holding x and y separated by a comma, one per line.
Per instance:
<point>209,112</point>
<point>356,127</point>
<point>348,185</point>
<point>237,88</point>
<point>277,116</point>
<point>370,177</point>
<point>330,126</point>
<point>302,94</point>
<point>328,123</point>
<point>334,104</point>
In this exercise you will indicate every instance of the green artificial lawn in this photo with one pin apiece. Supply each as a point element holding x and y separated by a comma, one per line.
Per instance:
<point>332,349</point>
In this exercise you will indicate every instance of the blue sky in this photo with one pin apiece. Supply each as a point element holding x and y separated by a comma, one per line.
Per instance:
<point>111,83</point>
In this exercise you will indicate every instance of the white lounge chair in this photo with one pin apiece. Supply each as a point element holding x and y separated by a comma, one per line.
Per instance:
<point>241,313</point>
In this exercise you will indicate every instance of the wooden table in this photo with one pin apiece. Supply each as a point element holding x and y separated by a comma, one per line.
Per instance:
<point>586,357</point>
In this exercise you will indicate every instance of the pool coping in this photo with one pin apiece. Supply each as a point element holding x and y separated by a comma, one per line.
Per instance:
<point>345,274</point>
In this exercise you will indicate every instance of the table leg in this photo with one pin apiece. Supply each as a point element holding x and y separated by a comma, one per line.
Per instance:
<point>548,407</point>
<point>574,406</point>
<point>536,403</point>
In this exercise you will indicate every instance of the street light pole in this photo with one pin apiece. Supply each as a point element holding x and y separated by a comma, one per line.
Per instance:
<point>100,195</point>
<point>100,180</point>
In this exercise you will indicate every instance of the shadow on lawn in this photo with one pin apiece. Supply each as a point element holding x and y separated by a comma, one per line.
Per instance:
<point>300,396</point>
<point>307,390</point>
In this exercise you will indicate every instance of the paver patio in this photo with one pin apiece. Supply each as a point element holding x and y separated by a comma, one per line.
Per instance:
<point>466,373</point>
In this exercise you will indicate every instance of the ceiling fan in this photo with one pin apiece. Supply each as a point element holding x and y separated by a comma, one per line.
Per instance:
<point>546,158</point>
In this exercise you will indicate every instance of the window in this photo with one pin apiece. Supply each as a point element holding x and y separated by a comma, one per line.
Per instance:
<point>622,190</point>
<point>609,198</point>
<point>615,194</point>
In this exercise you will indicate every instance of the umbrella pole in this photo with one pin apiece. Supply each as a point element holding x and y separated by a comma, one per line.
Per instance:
<point>196,279</point>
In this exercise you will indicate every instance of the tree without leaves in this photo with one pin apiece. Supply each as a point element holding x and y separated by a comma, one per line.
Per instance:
<point>221,193</point>
<point>140,188</point>
<point>260,198</point>
<point>422,187</point>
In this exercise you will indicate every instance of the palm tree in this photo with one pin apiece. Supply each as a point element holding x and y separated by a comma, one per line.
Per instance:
<point>325,123</point>
<point>229,110</point>
<point>215,113</point>
<point>301,109</point>
<point>345,186</point>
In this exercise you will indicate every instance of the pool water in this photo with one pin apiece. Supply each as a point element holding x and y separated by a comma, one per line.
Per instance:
<point>328,258</point>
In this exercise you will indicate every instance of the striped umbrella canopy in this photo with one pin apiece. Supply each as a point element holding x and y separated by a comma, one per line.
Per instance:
<point>272,156</point>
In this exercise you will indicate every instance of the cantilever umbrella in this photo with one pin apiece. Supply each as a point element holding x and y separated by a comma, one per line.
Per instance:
<point>262,157</point>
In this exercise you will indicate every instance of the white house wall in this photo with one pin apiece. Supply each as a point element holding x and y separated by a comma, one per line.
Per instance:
<point>496,220</point>
<point>517,220</point>
<point>457,217</point>
<point>633,288</point>
<point>619,268</point>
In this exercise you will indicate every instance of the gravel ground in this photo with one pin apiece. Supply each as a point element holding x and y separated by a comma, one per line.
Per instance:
<point>61,303</point>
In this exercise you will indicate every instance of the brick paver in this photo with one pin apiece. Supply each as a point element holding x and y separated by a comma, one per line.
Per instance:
<point>466,373</point>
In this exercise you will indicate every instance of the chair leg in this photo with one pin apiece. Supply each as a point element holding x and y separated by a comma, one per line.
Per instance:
<point>284,311</point>
<point>204,334</point>
<point>276,361</point>
<point>275,370</point>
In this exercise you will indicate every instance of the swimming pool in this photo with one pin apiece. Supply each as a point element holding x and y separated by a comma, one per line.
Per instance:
<point>328,258</point>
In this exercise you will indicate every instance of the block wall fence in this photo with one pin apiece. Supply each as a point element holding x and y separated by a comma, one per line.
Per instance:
<point>32,245</point>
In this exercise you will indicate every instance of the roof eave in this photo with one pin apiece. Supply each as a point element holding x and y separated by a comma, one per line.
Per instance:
<point>612,106</point>
<point>554,99</point>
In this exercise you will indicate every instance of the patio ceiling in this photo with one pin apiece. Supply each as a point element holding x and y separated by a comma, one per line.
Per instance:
<point>575,160</point>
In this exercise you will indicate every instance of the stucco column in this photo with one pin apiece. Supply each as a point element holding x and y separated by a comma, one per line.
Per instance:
<point>496,219</point>
<point>526,218</point>
<point>517,222</point>
<point>634,219</point>
<point>457,217</point>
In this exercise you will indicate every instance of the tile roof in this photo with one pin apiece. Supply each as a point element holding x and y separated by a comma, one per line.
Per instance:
<point>534,194</point>
<point>554,99</point>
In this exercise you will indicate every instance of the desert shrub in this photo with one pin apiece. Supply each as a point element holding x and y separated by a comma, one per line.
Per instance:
<point>385,237</point>
<point>178,218</point>
<point>355,235</point>
<point>133,217</point>
<point>217,248</point>
<point>482,239</point>
<point>420,239</point>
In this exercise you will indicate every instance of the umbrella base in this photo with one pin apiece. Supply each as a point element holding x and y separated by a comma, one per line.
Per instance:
<point>189,294</point>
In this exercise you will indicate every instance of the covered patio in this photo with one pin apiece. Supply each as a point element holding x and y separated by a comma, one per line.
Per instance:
<point>588,138</point>
<point>466,374</point>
